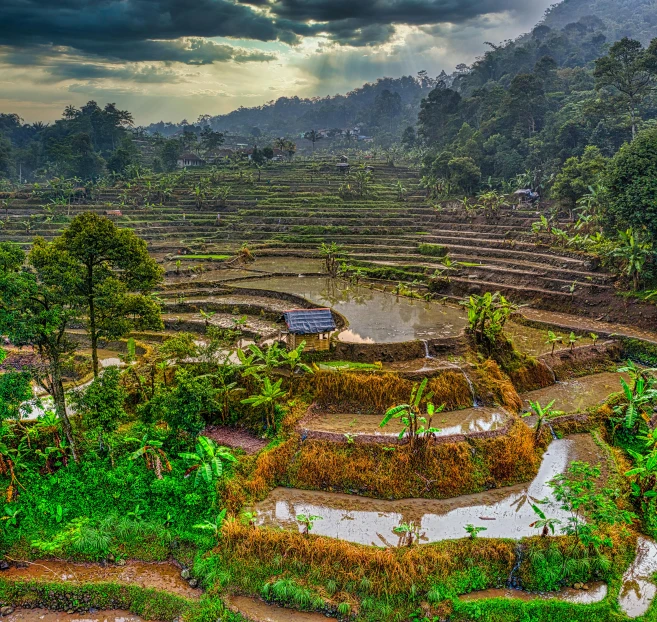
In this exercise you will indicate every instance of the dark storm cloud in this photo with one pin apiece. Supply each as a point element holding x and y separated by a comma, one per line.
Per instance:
<point>148,30</point>
<point>120,28</point>
<point>370,22</point>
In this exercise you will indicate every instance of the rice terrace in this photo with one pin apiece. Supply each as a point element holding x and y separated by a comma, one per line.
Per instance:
<point>403,369</point>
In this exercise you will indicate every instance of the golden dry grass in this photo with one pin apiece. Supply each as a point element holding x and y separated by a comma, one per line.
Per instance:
<point>495,387</point>
<point>376,392</point>
<point>439,471</point>
<point>391,571</point>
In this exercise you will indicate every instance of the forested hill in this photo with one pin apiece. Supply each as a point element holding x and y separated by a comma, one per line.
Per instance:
<point>574,33</point>
<point>636,19</point>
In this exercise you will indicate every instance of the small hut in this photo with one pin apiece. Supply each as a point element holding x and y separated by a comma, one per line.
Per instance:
<point>314,326</point>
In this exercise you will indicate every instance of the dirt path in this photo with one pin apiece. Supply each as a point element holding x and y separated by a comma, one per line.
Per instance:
<point>235,438</point>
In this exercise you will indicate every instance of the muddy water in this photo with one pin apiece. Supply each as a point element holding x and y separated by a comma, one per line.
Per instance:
<point>579,394</point>
<point>371,521</point>
<point>596,593</point>
<point>43,615</point>
<point>163,576</point>
<point>638,589</point>
<point>450,423</point>
<point>532,341</point>
<point>374,317</point>
<point>575,322</point>
<point>288,265</point>
<point>259,611</point>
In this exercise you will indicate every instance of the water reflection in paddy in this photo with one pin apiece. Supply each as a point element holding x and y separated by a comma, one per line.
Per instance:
<point>371,521</point>
<point>579,394</point>
<point>374,316</point>
<point>638,589</point>
<point>454,422</point>
<point>596,593</point>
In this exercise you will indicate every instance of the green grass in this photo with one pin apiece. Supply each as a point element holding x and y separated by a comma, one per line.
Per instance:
<point>347,365</point>
<point>212,257</point>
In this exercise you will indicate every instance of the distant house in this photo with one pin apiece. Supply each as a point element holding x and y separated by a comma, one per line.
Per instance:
<point>314,326</point>
<point>343,167</point>
<point>113,212</point>
<point>189,159</point>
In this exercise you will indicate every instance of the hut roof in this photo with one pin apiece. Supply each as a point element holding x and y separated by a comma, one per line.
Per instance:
<point>309,321</point>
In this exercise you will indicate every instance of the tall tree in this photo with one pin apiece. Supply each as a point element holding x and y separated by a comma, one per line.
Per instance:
<point>114,277</point>
<point>313,136</point>
<point>37,306</point>
<point>630,71</point>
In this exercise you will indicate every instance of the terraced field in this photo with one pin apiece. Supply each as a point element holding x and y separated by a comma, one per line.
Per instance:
<point>293,208</point>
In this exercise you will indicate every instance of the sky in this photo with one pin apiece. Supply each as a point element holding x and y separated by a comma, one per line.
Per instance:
<point>177,59</point>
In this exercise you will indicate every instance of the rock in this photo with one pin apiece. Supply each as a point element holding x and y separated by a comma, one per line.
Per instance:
<point>71,612</point>
<point>4,565</point>
<point>193,583</point>
<point>185,574</point>
<point>120,562</point>
<point>578,586</point>
<point>585,587</point>
<point>110,558</point>
<point>5,611</point>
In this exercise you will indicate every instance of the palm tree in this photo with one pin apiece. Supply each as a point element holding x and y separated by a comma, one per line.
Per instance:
<point>270,395</point>
<point>209,459</point>
<point>71,112</point>
<point>313,136</point>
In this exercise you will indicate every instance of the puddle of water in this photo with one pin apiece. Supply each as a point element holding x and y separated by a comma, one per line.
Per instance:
<point>638,589</point>
<point>454,422</point>
<point>43,615</point>
<point>579,394</point>
<point>374,317</point>
<point>288,265</point>
<point>596,593</point>
<point>532,340</point>
<point>371,521</point>
<point>163,576</point>
<point>259,611</point>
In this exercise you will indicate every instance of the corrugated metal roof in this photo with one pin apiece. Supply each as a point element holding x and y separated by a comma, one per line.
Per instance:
<point>309,321</point>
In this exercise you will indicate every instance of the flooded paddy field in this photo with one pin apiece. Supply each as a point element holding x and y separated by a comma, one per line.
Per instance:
<point>373,316</point>
<point>505,513</point>
<point>594,593</point>
<point>579,394</point>
<point>450,423</point>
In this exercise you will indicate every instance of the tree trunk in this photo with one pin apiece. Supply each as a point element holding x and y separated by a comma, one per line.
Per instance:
<point>59,397</point>
<point>92,321</point>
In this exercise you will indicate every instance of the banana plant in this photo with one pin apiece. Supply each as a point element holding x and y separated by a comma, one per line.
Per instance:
<point>553,340</point>
<point>269,396</point>
<point>154,456</point>
<point>209,459</point>
<point>544,523</point>
<point>416,424</point>
<point>213,525</point>
<point>638,401</point>
<point>543,413</point>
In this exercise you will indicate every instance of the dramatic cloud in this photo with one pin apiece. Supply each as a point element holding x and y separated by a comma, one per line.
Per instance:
<point>232,52</point>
